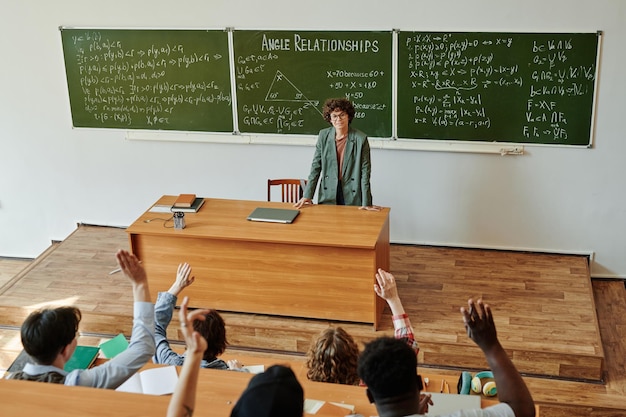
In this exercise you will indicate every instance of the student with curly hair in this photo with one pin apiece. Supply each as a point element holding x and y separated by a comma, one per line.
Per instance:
<point>333,356</point>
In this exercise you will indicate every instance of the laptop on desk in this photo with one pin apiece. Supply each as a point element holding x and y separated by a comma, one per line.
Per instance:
<point>273,215</point>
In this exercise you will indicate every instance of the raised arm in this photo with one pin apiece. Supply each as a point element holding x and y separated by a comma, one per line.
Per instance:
<point>130,265</point>
<point>115,371</point>
<point>386,288</point>
<point>183,279</point>
<point>163,311</point>
<point>183,400</point>
<point>512,389</point>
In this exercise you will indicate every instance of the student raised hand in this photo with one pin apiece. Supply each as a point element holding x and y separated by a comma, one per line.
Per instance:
<point>479,324</point>
<point>183,400</point>
<point>183,279</point>
<point>134,271</point>
<point>386,288</point>
<point>512,389</point>
<point>194,341</point>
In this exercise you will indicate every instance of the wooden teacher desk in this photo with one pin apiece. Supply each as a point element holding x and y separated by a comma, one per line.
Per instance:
<point>321,266</point>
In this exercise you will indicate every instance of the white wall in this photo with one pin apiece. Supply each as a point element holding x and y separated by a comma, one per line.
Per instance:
<point>551,199</point>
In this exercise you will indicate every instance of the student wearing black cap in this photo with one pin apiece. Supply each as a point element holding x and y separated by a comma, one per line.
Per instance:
<point>275,392</point>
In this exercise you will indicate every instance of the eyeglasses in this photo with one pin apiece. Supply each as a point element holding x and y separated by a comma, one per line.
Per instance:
<point>338,116</point>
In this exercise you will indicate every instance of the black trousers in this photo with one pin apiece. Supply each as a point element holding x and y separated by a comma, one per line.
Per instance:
<point>340,200</point>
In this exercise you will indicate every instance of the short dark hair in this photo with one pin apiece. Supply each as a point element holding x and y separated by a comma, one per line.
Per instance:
<point>342,104</point>
<point>213,329</point>
<point>388,367</point>
<point>46,332</point>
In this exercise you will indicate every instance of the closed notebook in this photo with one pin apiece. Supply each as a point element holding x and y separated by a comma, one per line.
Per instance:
<point>449,403</point>
<point>83,358</point>
<point>112,347</point>
<point>184,200</point>
<point>194,207</point>
<point>273,215</point>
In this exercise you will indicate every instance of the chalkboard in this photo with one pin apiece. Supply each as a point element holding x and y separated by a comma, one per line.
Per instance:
<point>149,79</point>
<point>497,87</point>
<point>283,78</point>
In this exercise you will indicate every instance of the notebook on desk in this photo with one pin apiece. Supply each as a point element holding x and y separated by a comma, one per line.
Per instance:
<point>449,403</point>
<point>273,215</point>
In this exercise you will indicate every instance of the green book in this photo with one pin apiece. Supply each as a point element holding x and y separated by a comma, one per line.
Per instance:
<point>112,347</point>
<point>83,358</point>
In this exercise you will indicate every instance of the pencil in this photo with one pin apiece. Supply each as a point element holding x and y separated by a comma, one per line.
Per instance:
<point>116,270</point>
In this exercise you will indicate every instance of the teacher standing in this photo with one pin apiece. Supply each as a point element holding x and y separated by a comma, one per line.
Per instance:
<point>341,159</point>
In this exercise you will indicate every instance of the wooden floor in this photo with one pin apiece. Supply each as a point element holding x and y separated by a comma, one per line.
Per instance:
<point>565,333</point>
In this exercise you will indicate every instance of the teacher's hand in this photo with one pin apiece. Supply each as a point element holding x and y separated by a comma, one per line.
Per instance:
<point>371,208</point>
<point>303,202</point>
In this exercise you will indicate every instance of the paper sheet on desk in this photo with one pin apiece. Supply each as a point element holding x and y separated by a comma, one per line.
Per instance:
<point>448,403</point>
<point>154,381</point>
<point>161,208</point>
<point>314,406</point>
<point>254,369</point>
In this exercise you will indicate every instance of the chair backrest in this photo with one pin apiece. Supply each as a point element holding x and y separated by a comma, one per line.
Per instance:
<point>292,189</point>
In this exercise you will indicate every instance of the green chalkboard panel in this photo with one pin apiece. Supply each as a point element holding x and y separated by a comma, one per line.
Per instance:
<point>149,79</point>
<point>497,87</point>
<point>283,78</point>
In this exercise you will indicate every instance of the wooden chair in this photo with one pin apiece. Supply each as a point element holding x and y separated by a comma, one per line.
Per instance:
<point>292,189</point>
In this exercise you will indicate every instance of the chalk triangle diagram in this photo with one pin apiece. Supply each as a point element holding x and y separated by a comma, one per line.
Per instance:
<point>282,89</point>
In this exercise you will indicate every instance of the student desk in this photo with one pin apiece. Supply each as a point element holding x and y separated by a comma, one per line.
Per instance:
<point>321,266</point>
<point>217,393</point>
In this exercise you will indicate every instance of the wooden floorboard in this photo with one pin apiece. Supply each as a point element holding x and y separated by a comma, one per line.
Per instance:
<point>547,312</point>
<point>544,304</point>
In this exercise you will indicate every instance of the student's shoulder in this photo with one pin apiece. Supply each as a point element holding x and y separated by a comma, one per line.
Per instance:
<point>215,364</point>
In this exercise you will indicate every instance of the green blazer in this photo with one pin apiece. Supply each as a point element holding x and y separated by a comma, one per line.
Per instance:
<point>356,169</point>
